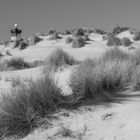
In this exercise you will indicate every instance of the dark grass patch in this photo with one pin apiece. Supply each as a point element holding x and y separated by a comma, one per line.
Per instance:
<point>99,31</point>
<point>116,53</point>
<point>34,40</point>
<point>55,36</point>
<point>136,36</point>
<point>78,32</point>
<point>101,79</point>
<point>17,43</point>
<point>117,30</point>
<point>105,37</point>
<point>78,42</point>
<point>57,59</point>
<point>17,63</point>
<point>113,41</point>
<point>69,40</point>
<point>23,44</point>
<point>23,110</point>
<point>67,32</point>
<point>126,42</point>
<point>52,32</point>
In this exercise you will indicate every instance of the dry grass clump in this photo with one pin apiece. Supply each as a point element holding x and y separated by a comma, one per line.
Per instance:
<point>137,56</point>
<point>99,79</point>
<point>78,32</point>
<point>135,84</point>
<point>113,41</point>
<point>17,43</point>
<point>99,31</point>
<point>136,78</point>
<point>22,112</point>
<point>55,36</point>
<point>69,40</point>
<point>67,32</point>
<point>34,39</point>
<point>86,37</point>
<point>117,30</point>
<point>116,53</point>
<point>105,37</point>
<point>126,41</point>
<point>18,63</point>
<point>136,36</point>
<point>31,106</point>
<point>52,32</point>
<point>57,59</point>
<point>78,42</point>
<point>23,44</point>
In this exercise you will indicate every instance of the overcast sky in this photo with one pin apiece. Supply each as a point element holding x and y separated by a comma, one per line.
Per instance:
<point>41,15</point>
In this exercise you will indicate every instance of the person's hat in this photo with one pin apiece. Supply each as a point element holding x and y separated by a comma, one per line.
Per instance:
<point>15,25</point>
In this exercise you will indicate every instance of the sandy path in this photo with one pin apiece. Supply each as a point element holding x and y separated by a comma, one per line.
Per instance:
<point>115,122</point>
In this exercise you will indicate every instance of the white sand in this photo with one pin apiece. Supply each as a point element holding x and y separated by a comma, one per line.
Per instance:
<point>117,121</point>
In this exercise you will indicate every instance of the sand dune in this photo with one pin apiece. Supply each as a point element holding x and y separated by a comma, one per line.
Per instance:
<point>115,121</point>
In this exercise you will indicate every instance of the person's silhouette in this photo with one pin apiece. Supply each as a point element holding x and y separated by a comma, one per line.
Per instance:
<point>16,33</point>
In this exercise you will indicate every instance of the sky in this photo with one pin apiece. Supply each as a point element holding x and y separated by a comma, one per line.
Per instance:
<point>35,16</point>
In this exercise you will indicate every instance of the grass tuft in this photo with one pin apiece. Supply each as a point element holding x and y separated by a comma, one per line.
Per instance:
<point>78,32</point>
<point>69,40</point>
<point>29,104</point>
<point>22,112</point>
<point>117,30</point>
<point>23,45</point>
<point>78,42</point>
<point>99,79</point>
<point>34,39</point>
<point>55,36</point>
<point>99,31</point>
<point>57,59</point>
<point>136,36</point>
<point>113,41</point>
<point>18,63</point>
<point>126,41</point>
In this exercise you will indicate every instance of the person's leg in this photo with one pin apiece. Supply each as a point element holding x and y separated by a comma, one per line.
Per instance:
<point>13,38</point>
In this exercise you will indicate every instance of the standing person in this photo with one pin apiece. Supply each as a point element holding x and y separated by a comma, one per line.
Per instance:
<point>16,33</point>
